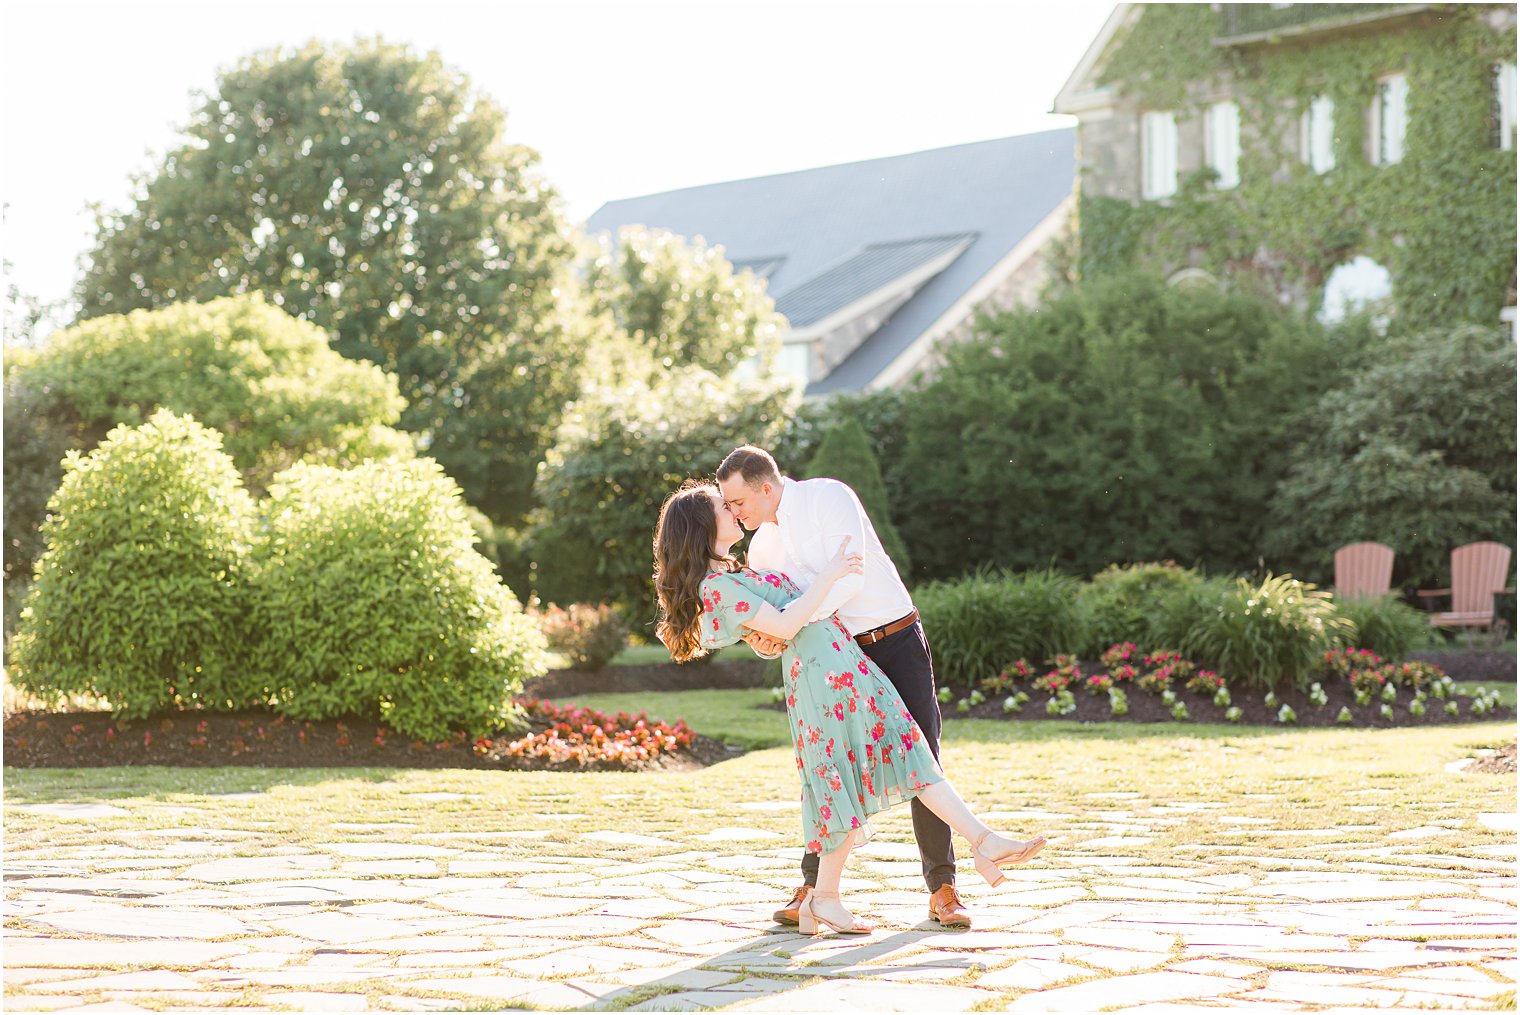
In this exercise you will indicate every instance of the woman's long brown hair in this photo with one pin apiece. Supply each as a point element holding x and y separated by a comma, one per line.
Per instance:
<point>683,548</point>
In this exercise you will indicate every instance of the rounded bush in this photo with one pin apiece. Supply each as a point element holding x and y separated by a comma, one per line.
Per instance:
<point>1270,635</point>
<point>375,603</point>
<point>589,634</point>
<point>978,624</point>
<point>139,595</point>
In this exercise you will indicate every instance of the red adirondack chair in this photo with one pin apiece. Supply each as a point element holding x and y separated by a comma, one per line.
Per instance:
<point>1479,572</point>
<point>1363,570</point>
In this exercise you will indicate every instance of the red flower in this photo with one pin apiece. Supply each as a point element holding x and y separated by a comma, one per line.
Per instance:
<point>741,607</point>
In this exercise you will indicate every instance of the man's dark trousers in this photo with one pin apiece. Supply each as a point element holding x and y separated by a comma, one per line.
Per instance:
<point>905,658</point>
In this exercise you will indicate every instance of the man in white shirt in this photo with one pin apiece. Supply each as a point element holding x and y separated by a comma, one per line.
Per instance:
<point>797,526</point>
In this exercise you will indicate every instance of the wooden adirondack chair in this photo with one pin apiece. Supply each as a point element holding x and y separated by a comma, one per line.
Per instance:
<point>1363,570</point>
<point>1479,572</point>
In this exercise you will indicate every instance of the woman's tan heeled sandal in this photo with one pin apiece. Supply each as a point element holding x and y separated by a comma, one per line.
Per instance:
<point>811,923</point>
<point>990,867</point>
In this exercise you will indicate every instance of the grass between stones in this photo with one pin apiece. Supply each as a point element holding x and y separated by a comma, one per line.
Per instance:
<point>1218,795</point>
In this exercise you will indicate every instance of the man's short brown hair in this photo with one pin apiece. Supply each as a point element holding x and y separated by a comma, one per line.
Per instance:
<point>755,464</point>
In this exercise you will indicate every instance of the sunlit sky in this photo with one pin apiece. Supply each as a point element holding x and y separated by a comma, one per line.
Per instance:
<point>620,99</point>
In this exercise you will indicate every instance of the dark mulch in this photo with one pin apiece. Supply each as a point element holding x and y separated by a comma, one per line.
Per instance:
<point>1501,761</point>
<point>261,739</point>
<point>1475,665</point>
<point>561,685</point>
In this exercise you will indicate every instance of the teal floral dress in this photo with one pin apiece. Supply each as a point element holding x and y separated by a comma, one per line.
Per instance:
<point>858,749</point>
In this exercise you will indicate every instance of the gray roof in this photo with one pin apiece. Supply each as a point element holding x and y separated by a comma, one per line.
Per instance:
<point>859,275</point>
<point>848,223</point>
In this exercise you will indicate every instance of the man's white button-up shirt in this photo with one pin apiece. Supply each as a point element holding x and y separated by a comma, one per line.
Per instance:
<point>813,517</point>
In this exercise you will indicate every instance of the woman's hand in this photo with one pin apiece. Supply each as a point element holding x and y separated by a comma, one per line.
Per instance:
<point>842,563</point>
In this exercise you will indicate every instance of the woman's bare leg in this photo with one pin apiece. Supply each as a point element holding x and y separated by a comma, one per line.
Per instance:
<point>947,805</point>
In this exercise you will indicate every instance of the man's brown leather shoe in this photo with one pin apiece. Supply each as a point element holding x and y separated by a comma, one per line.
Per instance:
<point>788,913</point>
<point>946,908</point>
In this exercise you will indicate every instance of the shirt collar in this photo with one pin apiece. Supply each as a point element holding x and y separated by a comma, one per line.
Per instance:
<point>784,506</point>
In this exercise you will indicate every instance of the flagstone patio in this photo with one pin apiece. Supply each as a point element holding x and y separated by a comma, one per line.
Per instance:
<point>390,919</point>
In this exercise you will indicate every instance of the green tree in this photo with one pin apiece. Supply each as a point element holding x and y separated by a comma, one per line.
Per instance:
<point>140,596</point>
<point>1416,450</point>
<point>268,382</point>
<point>682,300</point>
<point>845,454</point>
<point>621,452</point>
<point>1123,421</point>
<point>370,191</point>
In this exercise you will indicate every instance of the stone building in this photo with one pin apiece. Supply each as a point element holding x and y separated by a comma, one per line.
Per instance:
<point>1333,154</point>
<point>876,264</point>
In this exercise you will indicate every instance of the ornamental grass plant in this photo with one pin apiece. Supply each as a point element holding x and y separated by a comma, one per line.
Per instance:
<point>1271,635</point>
<point>978,623</point>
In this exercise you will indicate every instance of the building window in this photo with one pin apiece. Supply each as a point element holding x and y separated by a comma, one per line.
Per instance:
<point>1360,286</point>
<point>1390,115</point>
<point>1501,121</point>
<point>1158,133</point>
<point>1224,143</point>
<point>796,361</point>
<point>1317,134</point>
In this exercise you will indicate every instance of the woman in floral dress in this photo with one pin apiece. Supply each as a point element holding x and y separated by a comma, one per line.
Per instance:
<point>858,749</point>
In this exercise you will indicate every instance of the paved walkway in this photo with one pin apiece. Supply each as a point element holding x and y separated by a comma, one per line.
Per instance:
<point>393,919</point>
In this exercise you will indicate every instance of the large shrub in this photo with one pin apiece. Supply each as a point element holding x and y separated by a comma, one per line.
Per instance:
<point>375,603</point>
<point>1272,635</point>
<point>845,454</point>
<point>1416,450</point>
<point>622,451</point>
<point>978,624</point>
<point>139,594</point>
<point>1122,421</point>
<point>267,381</point>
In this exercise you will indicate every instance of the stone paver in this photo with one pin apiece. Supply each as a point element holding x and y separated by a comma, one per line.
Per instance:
<point>385,917</point>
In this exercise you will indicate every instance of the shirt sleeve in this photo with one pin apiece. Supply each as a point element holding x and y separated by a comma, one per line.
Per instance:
<point>836,514</point>
<point>726,604</point>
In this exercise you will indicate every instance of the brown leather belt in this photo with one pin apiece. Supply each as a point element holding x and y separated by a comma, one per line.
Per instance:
<point>876,634</point>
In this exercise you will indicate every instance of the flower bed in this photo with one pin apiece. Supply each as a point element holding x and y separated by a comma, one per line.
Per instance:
<point>1355,688</point>
<point>563,738</point>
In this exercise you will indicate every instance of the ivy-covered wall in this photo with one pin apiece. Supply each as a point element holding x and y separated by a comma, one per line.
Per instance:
<point>1442,220</point>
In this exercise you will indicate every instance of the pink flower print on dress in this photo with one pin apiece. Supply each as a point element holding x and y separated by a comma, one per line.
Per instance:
<point>836,646</point>
<point>864,667</point>
<point>814,733</point>
<point>854,821</point>
<point>815,846</point>
<point>773,579</point>
<point>826,811</point>
<point>741,607</point>
<point>878,731</point>
<point>791,701</point>
<point>828,750</point>
<point>796,667</point>
<point>839,710</point>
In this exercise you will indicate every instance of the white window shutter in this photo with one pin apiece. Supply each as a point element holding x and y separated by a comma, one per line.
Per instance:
<point>1158,142</point>
<point>1224,143</point>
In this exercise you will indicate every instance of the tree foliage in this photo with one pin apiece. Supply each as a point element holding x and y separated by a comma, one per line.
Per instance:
<point>370,191</point>
<point>266,381</point>
<point>621,452</point>
<point>1125,421</point>
<point>682,301</point>
<point>845,454</point>
<point>140,596</point>
<point>1417,451</point>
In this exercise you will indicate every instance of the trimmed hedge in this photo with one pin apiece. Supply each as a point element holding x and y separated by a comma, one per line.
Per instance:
<point>374,602</point>
<point>140,595</point>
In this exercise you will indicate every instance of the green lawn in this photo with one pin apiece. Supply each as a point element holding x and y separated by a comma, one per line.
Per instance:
<point>1207,793</point>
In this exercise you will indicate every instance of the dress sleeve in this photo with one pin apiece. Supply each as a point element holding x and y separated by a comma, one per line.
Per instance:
<point>726,604</point>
